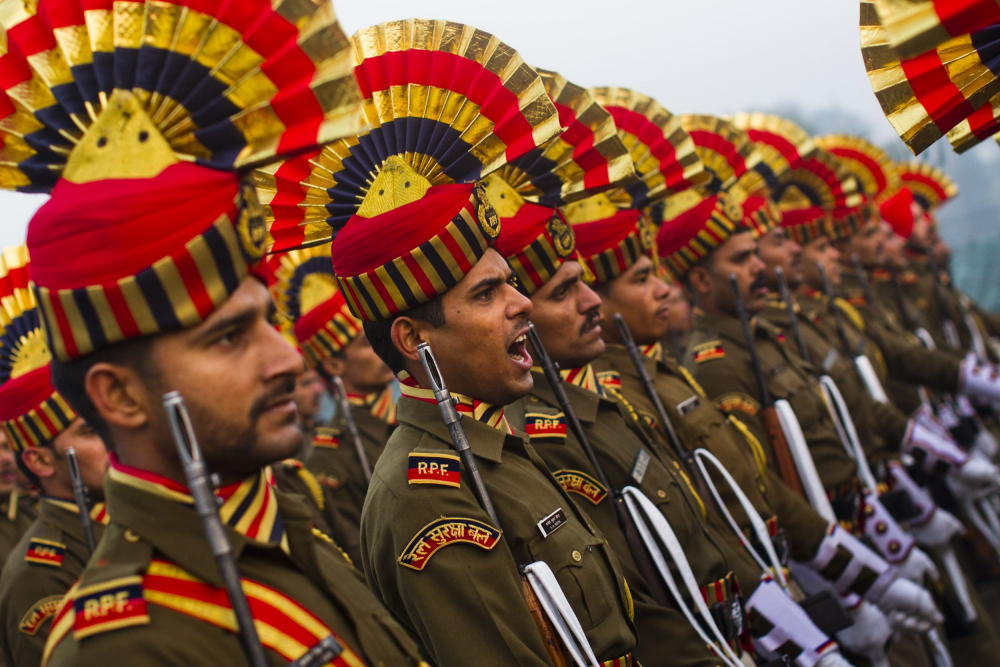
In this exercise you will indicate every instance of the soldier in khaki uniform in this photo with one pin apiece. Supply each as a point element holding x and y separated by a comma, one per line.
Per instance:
<point>147,268</point>
<point>333,343</point>
<point>414,260</point>
<point>18,508</point>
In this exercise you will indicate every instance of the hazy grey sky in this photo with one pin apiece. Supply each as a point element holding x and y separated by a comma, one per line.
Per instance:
<point>712,56</point>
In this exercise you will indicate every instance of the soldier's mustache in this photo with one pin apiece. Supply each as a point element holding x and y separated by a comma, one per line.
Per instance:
<point>282,388</point>
<point>594,318</point>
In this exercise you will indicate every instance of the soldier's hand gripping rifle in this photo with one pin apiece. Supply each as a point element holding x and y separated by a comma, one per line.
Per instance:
<point>625,521</point>
<point>201,488</point>
<point>80,494</point>
<point>545,600</point>
<point>340,393</point>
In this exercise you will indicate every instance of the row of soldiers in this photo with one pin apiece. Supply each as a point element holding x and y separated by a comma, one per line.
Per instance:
<point>417,209</point>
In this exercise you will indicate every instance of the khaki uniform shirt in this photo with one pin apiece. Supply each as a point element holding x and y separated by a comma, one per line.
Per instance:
<point>720,362</point>
<point>700,424</point>
<point>150,594</point>
<point>907,361</point>
<point>43,566</point>
<point>665,636</point>
<point>433,556</point>
<point>17,512</point>
<point>335,462</point>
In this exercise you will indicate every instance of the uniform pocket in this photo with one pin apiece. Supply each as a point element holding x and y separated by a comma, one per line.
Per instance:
<point>575,557</point>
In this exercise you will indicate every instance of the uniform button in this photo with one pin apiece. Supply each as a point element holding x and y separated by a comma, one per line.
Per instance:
<point>577,556</point>
<point>881,528</point>
<point>131,536</point>
<point>661,493</point>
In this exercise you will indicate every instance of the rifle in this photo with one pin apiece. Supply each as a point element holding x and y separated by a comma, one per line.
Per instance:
<point>461,443</point>
<point>201,487</point>
<point>352,426</point>
<point>948,328</point>
<point>625,521</point>
<point>835,311</point>
<point>80,494</point>
<point>792,315</point>
<point>768,412</point>
<point>681,451</point>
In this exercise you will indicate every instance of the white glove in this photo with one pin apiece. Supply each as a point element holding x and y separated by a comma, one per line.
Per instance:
<point>869,634</point>
<point>973,478</point>
<point>918,567</point>
<point>911,600</point>
<point>985,445</point>
<point>833,659</point>
<point>937,533</point>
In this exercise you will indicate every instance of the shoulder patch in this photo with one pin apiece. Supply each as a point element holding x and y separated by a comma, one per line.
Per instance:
<point>611,379</point>
<point>41,611</point>
<point>650,420</point>
<point>707,351</point>
<point>440,469</point>
<point>542,425</point>
<point>110,605</point>
<point>734,402</point>
<point>577,481</point>
<point>45,552</point>
<point>326,437</point>
<point>444,531</point>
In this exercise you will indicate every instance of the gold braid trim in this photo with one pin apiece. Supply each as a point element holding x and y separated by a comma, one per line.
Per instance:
<point>758,452</point>
<point>314,486</point>
<point>691,381</point>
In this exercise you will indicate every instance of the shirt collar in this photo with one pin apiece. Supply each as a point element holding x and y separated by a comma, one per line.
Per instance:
<point>381,404</point>
<point>98,513</point>
<point>583,377</point>
<point>654,351</point>
<point>486,413</point>
<point>249,507</point>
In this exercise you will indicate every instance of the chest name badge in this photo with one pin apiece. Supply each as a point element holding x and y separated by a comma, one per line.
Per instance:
<point>552,522</point>
<point>576,481</point>
<point>45,552</point>
<point>640,466</point>
<point>538,425</point>
<point>445,531</point>
<point>708,351</point>
<point>439,469</point>
<point>687,407</point>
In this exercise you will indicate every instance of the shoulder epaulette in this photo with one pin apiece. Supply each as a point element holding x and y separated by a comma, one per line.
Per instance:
<point>609,379</point>
<point>545,424</point>
<point>109,605</point>
<point>45,552</point>
<point>326,437</point>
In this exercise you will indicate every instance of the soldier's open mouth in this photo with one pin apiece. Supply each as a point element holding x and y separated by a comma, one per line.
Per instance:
<point>517,351</point>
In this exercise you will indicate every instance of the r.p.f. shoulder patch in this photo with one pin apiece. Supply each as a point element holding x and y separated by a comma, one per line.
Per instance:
<point>737,402</point>
<point>45,552</point>
<point>445,531</point>
<point>541,425</point>
<point>110,605</point>
<point>432,468</point>
<point>707,351</point>
<point>327,437</point>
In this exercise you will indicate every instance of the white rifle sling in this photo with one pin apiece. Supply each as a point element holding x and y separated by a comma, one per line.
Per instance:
<point>958,582</point>
<point>645,514</point>
<point>560,613</point>
<point>951,335</point>
<point>925,337</point>
<point>756,521</point>
<point>815,492</point>
<point>978,344</point>
<point>942,657</point>
<point>840,413</point>
<point>790,626</point>
<point>868,375</point>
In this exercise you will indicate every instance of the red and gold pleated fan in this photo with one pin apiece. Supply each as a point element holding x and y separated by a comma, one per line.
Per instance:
<point>929,94</point>
<point>663,154</point>
<point>917,26</point>
<point>726,152</point>
<point>444,101</point>
<point>930,186</point>
<point>228,84</point>
<point>982,124</point>
<point>781,145</point>
<point>877,174</point>
<point>588,157</point>
<point>820,181</point>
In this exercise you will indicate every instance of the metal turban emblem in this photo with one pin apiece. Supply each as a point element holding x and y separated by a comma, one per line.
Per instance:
<point>563,239</point>
<point>488,218</point>
<point>251,227</point>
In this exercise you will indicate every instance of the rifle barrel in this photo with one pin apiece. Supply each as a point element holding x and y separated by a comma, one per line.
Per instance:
<point>352,426</point>
<point>741,313</point>
<point>786,296</point>
<point>80,494</point>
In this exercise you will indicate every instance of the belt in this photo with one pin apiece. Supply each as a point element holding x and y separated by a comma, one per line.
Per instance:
<point>625,661</point>
<point>726,605</point>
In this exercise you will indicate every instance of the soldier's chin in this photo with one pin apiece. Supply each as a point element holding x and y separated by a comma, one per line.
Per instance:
<point>278,442</point>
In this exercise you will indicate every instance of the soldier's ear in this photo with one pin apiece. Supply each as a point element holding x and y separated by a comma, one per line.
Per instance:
<point>118,394</point>
<point>406,336</point>
<point>40,461</point>
<point>700,280</point>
